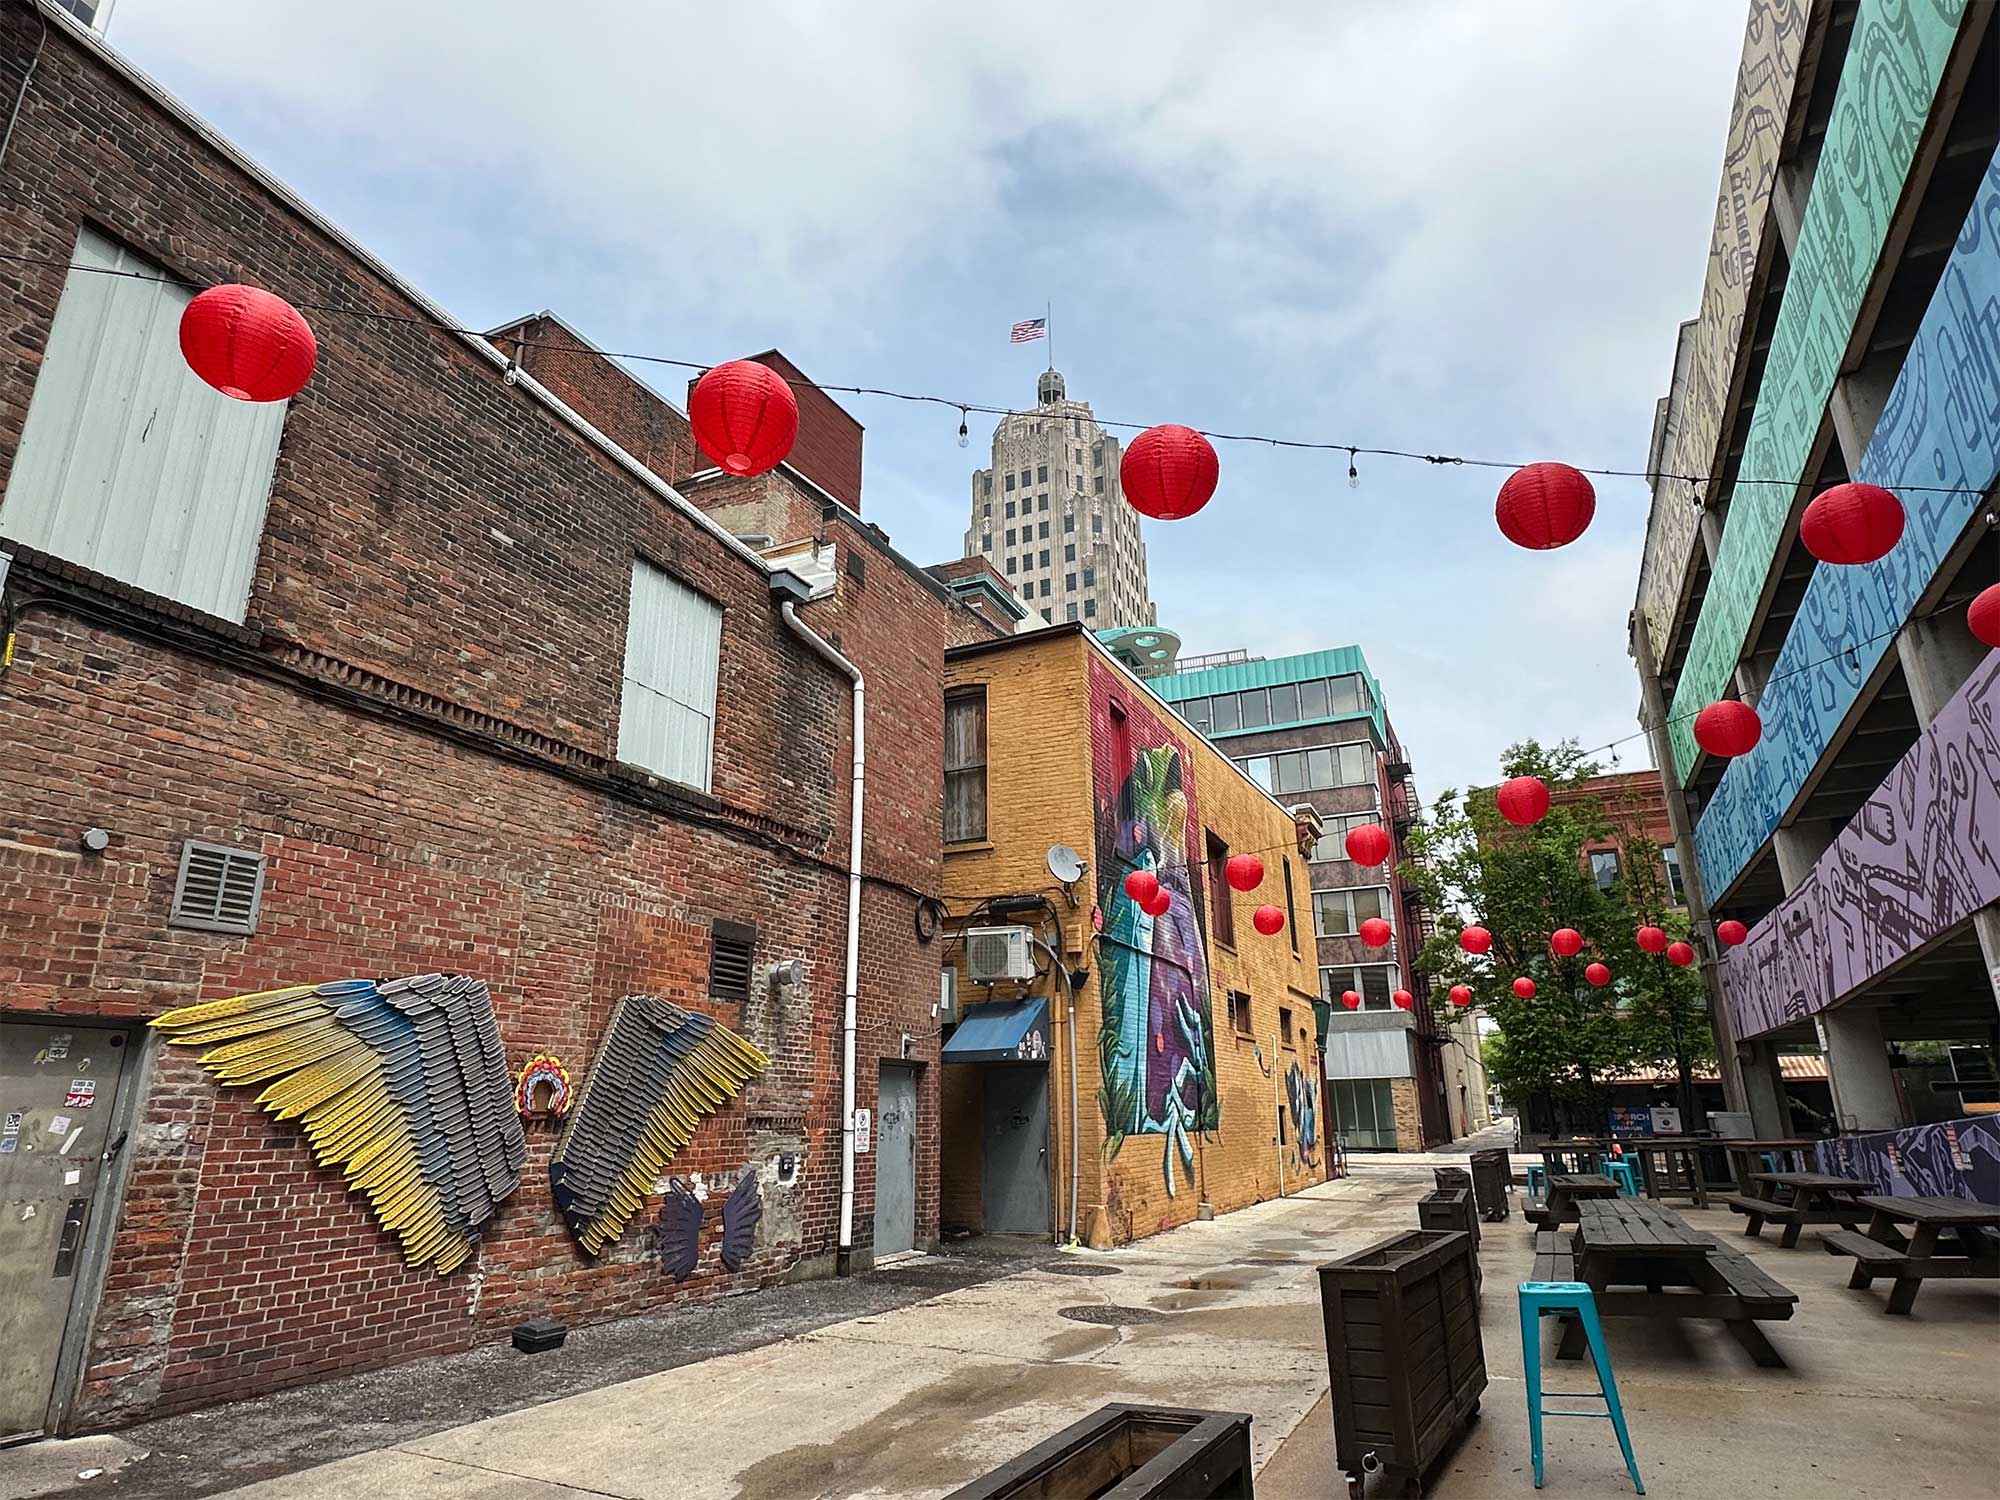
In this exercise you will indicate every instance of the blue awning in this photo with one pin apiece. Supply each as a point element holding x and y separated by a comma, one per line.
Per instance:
<point>1014,1031</point>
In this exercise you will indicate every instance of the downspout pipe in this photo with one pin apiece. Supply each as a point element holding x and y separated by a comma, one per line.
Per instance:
<point>1069,1026</point>
<point>844,1255</point>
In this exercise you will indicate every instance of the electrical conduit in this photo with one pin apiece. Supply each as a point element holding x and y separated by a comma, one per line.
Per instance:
<point>845,1253</point>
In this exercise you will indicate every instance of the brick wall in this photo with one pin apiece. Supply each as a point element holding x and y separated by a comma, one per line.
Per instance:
<point>1409,1115</point>
<point>416,730</point>
<point>828,450</point>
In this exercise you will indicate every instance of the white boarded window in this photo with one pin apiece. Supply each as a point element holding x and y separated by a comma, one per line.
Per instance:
<point>129,464</point>
<point>673,646</point>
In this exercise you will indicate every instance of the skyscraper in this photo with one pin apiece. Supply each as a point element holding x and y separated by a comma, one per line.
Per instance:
<point>1049,515</point>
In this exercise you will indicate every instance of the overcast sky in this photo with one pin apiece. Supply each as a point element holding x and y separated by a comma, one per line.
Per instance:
<point>1468,228</point>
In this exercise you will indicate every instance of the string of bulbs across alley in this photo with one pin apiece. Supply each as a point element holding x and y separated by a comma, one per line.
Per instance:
<point>253,346</point>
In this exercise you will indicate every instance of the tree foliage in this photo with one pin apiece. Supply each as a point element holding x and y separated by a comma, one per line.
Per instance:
<point>1521,884</point>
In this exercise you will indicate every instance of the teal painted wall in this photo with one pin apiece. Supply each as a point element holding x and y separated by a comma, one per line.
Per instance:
<point>1894,61</point>
<point>1337,661</point>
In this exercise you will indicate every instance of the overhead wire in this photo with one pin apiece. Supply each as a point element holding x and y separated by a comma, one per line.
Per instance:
<point>963,406</point>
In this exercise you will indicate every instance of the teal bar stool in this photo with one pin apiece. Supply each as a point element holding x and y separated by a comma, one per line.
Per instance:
<point>1538,1178</point>
<point>1538,1297</point>
<point>1620,1171</point>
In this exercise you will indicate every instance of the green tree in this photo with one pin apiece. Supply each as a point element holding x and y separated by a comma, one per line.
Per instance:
<point>1522,884</point>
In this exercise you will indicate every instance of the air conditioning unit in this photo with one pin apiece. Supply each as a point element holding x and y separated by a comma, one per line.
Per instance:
<point>994,954</point>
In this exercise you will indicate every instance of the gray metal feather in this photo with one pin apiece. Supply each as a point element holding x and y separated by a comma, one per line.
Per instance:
<point>740,1213</point>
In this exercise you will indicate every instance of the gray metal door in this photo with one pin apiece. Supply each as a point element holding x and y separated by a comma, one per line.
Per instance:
<point>58,1087</point>
<point>1014,1181</point>
<point>896,1160</point>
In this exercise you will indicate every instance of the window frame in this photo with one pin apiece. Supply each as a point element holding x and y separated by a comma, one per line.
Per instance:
<point>959,698</point>
<point>1221,908</point>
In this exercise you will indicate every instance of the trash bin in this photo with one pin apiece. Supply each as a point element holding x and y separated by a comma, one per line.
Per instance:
<point>1403,1351</point>
<point>1122,1452</point>
<point>1490,1171</point>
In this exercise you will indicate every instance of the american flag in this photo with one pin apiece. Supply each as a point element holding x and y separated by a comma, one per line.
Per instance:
<point>1027,332</point>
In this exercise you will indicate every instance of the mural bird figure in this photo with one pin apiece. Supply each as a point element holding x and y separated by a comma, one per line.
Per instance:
<point>679,1232</point>
<point>658,1073</point>
<point>401,1085</point>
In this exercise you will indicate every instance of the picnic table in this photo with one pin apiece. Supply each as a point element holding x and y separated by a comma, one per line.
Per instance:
<point>1808,1198</point>
<point>1565,1191</point>
<point>1670,1166</point>
<point>1575,1156</point>
<point>1792,1153</point>
<point>1639,1257</point>
<point>1972,1251</point>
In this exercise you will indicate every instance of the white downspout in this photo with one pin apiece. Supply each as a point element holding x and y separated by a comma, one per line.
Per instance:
<point>845,1252</point>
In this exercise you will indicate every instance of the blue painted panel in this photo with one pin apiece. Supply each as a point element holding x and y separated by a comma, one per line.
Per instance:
<point>1940,427</point>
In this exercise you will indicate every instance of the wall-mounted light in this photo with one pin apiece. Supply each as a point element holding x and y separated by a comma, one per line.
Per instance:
<point>95,840</point>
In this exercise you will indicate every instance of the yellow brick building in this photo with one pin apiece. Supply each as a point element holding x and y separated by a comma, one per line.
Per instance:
<point>1166,1066</point>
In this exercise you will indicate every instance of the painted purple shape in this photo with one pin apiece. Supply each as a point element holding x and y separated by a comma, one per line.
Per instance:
<point>1954,1159</point>
<point>1918,858</point>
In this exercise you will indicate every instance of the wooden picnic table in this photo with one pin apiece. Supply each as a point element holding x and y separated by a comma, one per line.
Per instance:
<point>1639,1257</point>
<point>1796,1199</point>
<point>1973,1250</point>
<point>1565,1191</point>
<point>1577,1156</point>
<point>1793,1154</point>
<point>1679,1174</point>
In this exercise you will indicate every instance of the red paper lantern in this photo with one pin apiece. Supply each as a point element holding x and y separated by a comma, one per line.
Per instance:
<point>1375,932</point>
<point>745,416</point>
<point>1650,939</point>
<point>1168,472</point>
<point>1525,987</point>
<point>1852,524</point>
<point>1475,940</point>
<point>247,343</point>
<point>1730,933</point>
<point>1368,844</point>
<point>1244,871</point>
<point>1598,975</point>
<point>1545,506</point>
<point>1268,920</point>
<point>1982,615</point>
<point>1523,800</point>
<point>1349,999</point>
<point>1159,904</point>
<point>1680,955</point>
<point>1566,941</point>
<point>1403,999</point>
<point>1461,994</point>
<point>1728,728</point>
<point>1141,884</point>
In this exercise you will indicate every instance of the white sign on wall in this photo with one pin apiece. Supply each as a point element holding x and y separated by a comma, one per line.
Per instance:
<point>1666,1120</point>
<point>863,1120</point>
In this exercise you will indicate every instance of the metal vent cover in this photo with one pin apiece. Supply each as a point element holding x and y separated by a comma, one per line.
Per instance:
<point>218,889</point>
<point>732,946</point>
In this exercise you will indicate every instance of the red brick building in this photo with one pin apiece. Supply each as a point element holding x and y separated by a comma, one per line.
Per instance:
<point>1636,808</point>
<point>380,646</point>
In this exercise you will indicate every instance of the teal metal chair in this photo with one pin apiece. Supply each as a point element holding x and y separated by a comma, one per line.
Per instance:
<point>1573,1297</point>
<point>1620,1171</point>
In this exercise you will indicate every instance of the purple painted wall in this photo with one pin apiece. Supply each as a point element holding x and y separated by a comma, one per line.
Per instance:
<point>1920,857</point>
<point>1955,1159</point>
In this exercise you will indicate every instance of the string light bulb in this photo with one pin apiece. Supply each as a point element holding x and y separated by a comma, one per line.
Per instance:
<point>1353,474</point>
<point>964,436</point>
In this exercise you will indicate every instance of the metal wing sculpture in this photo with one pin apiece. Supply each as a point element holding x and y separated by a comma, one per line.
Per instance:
<point>680,1231</point>
<point>740,1213</point>
<point>658,1073</point>
<point>401,1085</point>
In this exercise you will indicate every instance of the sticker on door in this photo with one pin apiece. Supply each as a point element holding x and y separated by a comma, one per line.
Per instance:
<point>82,1093</point>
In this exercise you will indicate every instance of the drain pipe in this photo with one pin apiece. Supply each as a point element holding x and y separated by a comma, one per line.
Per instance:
<point>1069,1027</point>
<point>844,1255</point>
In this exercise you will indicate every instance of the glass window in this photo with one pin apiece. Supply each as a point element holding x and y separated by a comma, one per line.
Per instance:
<point>1045,589</point>
<point>1221,906</point>
<point>1239,1012</point>
<point>1045,557</point>
<point>1048,618</point>
<point>1320,767</point>
<point>1285,703</point>
<point>1355,765</point>
<point>1069,520</point>
<point>1257,767</point>
<point>1024,479</point>
<point>1089,577</point>
<point>1090,609</point>
<point>1312,699</point>
<point>1010,510</point>
<point>1069,555</point>
<point>1010,536</point>
<point>1670,857</point>
<point>1097,521</point>
<point>1010,564</point>
<point>1341,913</point>
<point>1291,909</point>
<point>1344,695</point>
<point>1377,984</point>
<point>1368,902</point>
<point>1069,581</point>
<point>986,482</point>
<point>1044,534</point>
<point>1097,484</point>
<point>1604,868</point>
<point>1097,453</point>
<point>1042,501</point>
<point>1010,485</point>
<point>965,767</point>
<point>1255,706</point>
<point>1078,453</point>
<point>1072,614</point>
<point>1042,474</point>
<point>1077,483</point>
<point>986,542</point>
<point>1226,718</point>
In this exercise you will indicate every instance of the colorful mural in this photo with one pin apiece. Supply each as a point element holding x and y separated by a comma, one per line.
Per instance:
<point>1156,1043</point>
<point>1918,858</point>
<point>1302,1098</point>
<point>1941,427</point>
<point>1894,60</point>
<point>1954,1159</point>
<point>1706,360</point>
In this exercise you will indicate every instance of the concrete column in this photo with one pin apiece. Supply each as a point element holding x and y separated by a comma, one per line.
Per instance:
<point>1798,847</point>
<point>1752,673</point>
<point>1938,655</point>
<point>1856,406</point>
<point>1857,1060</point>
<point>1711,533</point>
<point>1788,198</point>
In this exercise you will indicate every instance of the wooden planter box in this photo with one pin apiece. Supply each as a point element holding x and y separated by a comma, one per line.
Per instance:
<point>1404,1353</point>
<point>1123,1452</point>
<point>1452,1210</point>
<point>1490,1172</point>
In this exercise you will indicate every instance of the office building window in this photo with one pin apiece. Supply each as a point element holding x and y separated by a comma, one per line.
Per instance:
<point>1670,858</point>
<point>1010,485</point>
<point>986,541</point>
<point>1069,552</point>
<point>1285,1039</point>
<point>1045,557</point>
<point>986,482</point>
<point>1048,618</point>
<point>1072,614</point>
<point>1374,983</point>
<point>1042,502</point>
<point>1044,533</point>
<point>1239,1012</point>
<point>1090,609</point>
<point>1291,911</point>
<point>1096,525</point>
<point>1604,868</point>
<point>1314,770</point>
<point>1010,564</point>
<point>1069,520</point>
<point>1025,479</point>
<point>1010,536</point>
<point>673,651</point>
<point>1089,577</point>
<point>1042,474</point>
<point>1221,906</point>
<point>1045,590</point>
<point>1341,913</point>
<point>965,766</point>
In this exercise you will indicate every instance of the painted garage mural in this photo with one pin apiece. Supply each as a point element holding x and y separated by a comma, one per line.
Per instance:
<point>1156,1043</point>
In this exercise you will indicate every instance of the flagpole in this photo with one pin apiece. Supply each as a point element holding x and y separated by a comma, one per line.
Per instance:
<point>1049,331</point>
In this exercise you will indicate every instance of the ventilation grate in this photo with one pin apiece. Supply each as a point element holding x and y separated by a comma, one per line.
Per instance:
<point>731,947</point>
<point>219,889</point>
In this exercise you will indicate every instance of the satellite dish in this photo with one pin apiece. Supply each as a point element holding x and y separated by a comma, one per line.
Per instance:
<point>1066,864</point>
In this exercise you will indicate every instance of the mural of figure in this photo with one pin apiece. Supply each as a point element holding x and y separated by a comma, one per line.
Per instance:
<point>1301,1097</point>
<point>1156,1047</point>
